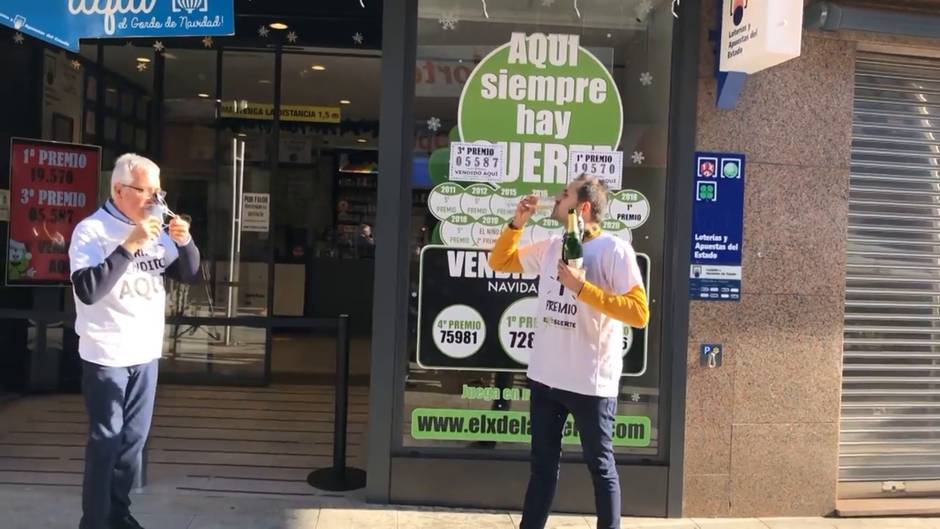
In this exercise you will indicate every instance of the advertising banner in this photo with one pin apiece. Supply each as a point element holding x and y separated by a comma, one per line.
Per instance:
<point>471,318</point>
<point>534,113</point>
<point>551,110</point>
<point>514,427</point>
<point>53,186</point>
<point>63,22</point>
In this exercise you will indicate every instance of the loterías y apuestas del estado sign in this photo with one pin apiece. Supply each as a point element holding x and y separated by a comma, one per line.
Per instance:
<point>64,22</point>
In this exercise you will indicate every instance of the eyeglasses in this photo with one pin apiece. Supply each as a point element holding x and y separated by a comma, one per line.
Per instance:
<point>159,193</point>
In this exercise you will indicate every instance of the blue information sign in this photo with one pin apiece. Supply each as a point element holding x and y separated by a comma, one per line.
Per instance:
<point>63,22</point>
<point>717,227</point>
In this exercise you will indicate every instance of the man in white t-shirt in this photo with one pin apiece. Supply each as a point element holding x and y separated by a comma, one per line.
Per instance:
<point>576,361</point>
<point>119,257</point>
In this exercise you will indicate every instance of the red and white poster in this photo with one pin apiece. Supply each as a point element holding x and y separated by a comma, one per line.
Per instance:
<point>53,186</point>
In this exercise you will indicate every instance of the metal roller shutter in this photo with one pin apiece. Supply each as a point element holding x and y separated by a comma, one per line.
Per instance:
<point>890,426</point>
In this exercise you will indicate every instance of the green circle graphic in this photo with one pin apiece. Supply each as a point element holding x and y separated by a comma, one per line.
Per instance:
<point>497,120</point>
<point>730,169</point>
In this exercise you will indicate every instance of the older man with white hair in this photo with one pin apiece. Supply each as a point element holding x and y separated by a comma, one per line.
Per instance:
<point>119,256</point>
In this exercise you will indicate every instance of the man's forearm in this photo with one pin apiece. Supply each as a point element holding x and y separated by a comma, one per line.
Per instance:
<point>630,308</point>
<point>93,282</point>
<point>186,268</point>
<point>505,254</point>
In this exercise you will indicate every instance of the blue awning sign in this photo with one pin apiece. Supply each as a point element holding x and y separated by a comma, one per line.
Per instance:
<point>63,22</point>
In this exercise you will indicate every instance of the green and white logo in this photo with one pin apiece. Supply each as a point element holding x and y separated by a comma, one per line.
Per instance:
<point>630,207</point>
<point>540,96</point>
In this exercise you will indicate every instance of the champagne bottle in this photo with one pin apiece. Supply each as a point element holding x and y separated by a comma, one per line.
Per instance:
<point>572,252</point>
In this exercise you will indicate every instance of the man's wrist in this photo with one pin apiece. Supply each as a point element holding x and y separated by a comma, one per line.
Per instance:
<point>582,288</point>
<point>512,225</point>
<point>131,247</point>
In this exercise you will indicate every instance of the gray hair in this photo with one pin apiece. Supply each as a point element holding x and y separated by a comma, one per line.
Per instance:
<point>594,191</point>
<point>124,168</point>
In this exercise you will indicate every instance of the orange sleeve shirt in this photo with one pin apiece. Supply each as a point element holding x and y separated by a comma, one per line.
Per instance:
<point>631,308</point>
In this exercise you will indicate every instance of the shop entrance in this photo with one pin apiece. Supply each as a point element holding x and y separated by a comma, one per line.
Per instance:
<point>270,147</point>
<point>278,171</point>
<point>278,167</point>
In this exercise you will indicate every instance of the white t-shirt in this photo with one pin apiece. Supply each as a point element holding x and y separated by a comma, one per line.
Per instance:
<point>577,348</point>
<point>125,327</point>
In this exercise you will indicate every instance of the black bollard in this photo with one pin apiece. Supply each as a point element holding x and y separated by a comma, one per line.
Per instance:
<point>339,477</point>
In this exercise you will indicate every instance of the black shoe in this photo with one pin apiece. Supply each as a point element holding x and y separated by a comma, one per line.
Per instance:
<point>125,522</point>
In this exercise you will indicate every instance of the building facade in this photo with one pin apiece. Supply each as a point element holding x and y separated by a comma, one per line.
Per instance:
<point>347,117</point>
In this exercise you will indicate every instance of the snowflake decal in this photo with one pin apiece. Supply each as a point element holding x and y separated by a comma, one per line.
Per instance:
<point>207,42</point>
<point>76,65</point>
<point>358,38</point>
<point>646,79</point>
<point>18,37</point>
<point>292,37</point>
<point>434,124</point>
<point>448,21</point>
<point>643,9</point>
<point>141,67</point>
<point>547,3</point>
<point>635,397</point>
<point>158,47</point>
<point>638,157</point>
<point>263,31</point>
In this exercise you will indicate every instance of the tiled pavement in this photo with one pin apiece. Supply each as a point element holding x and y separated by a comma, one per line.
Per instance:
<point>59,507</point>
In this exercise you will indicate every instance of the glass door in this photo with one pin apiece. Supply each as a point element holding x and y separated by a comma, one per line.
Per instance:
<point>324,199</point>
<point>283,211</point>
<point>216,168</point>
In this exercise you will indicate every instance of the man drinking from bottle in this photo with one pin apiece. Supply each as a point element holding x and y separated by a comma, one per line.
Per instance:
<point>576,360</point>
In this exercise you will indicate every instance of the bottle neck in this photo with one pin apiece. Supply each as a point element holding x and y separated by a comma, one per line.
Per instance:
<point>572,224</point>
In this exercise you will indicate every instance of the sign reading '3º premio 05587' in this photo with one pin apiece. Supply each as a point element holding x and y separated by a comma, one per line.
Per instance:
<point>63,22</point>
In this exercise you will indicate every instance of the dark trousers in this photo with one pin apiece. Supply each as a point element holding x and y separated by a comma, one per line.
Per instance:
<point>119,402</point>
<point>594,418</point>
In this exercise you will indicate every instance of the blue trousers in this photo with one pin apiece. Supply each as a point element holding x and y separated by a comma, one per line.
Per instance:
<point>594,419</point>
<point>119,402</point>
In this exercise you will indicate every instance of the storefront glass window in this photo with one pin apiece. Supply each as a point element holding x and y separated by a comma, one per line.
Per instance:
<point>542,80</point>
<point>200,131</point>
<point>188,169</point>
<point>128,95</point>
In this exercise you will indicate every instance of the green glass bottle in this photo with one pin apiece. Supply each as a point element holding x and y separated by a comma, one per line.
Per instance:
<point>572,252</point>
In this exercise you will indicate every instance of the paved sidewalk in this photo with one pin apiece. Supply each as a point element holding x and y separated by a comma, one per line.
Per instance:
<point>59,508</point>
